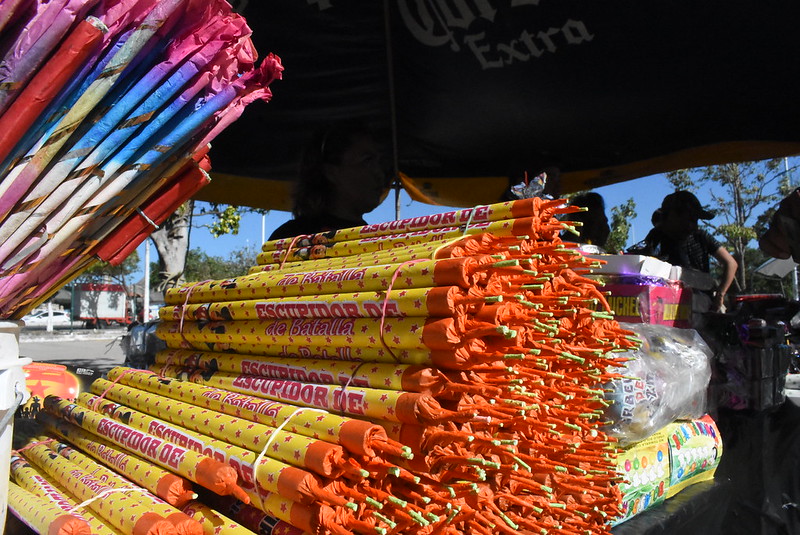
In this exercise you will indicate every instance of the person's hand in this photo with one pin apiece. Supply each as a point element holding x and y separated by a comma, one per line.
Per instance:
<point>719,302</point>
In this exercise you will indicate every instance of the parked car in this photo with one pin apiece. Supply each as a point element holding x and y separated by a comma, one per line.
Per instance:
<point>61,318</point>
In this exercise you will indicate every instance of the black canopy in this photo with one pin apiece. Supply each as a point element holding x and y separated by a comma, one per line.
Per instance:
<point>471,94</point>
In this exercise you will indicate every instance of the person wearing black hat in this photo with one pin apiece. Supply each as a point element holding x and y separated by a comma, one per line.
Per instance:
<point>677,239</point>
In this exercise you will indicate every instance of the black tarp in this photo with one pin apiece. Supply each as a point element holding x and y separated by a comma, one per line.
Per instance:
<point>490,89</point>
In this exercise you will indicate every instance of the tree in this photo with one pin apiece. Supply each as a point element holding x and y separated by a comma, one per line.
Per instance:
<point>173,237</point>
<point>172,241</point>
<point>621,217</point>
<point>105,272</point>
<point>201,266</point>
<point>742,194</point>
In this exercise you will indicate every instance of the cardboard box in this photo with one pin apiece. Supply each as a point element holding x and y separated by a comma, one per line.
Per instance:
<point>631,264</point>
<point>665,303</point>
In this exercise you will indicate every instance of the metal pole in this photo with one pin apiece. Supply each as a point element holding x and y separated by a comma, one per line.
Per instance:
<point>795,291</point>
<point>49,316</point>
<point>146,296</point>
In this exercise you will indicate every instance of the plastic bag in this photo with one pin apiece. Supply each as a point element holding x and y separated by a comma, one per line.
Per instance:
<point>665,380</point>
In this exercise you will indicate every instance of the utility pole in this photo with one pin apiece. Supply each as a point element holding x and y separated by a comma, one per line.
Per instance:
<point>146,285</point>
<point>795,292</point>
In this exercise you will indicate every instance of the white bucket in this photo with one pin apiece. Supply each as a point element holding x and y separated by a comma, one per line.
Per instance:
<point>13,393</point>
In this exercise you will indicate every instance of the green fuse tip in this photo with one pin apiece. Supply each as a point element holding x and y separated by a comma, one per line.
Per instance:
<point>351,505</point>
<point>385,519</point>
<point>506,263</point>
<point>418,518</point>
<point>374,503</point>
<point>397,501</point>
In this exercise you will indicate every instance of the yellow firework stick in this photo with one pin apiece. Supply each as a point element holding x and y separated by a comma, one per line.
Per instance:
<point>475,351</point>
<point>202,469</point>
<point>35,481</point>
<point>439,301</point>
<point>272,476</point>
<point>356,436</point>
<point>408,407</point>
<point>114,506</point>
<point>393,250</point>
<point>43,516</point>
<point>342,372</point>
<point>463,219</point>
<point>320,457</point>
<point>212,522</point>
<point>314,259</point>
<point>376,253</point>
<point>285,283</point>
<point>400,333</point>
<point>255,520</point>
<point>184,524</point>
<point>173,489</point>
<point>418,242</point>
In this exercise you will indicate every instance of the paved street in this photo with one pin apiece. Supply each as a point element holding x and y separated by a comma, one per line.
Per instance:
<point>99,350</point>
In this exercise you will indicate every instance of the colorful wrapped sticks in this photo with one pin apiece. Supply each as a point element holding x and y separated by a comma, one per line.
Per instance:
<point>106,112</point>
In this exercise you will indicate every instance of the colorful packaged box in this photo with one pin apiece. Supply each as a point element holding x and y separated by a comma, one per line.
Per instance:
<point>695,449</point>
<point>638,299</point>
<point>659,467</point>
<point>645,467</point>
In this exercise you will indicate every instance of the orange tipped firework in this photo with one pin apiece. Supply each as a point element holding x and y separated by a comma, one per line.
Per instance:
<point>169,487</point>
<point>373,277</point>
<point>356,436</point>
<point>438,301</point>
<point>408,407</point>
<point>462,219</point>
<point>44,516</point>
<point>184,525</point>
<point>267,473</point>
<point>422,379</point>
<point>196,467</point>
<point>116,507</point>
<point>320,457</point>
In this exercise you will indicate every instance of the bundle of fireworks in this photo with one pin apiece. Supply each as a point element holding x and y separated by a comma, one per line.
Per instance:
<point>107,108</point>
<point>86,493</point>
<point>472,338</point>
<point>453,386</point>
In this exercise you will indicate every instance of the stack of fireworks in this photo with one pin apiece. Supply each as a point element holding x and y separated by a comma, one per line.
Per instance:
<point>85,484</point>
<point>107,108</point>
<point>433,375</point>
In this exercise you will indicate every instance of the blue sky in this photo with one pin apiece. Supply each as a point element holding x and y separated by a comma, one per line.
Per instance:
<point>647,192</point>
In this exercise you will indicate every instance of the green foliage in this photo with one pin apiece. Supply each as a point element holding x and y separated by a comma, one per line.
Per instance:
<point>743,195</point>
<point>621,217</point>
<point>226,219</point>
<point>202,266</point>
<point>103,271</point>
<point>227,222</point>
